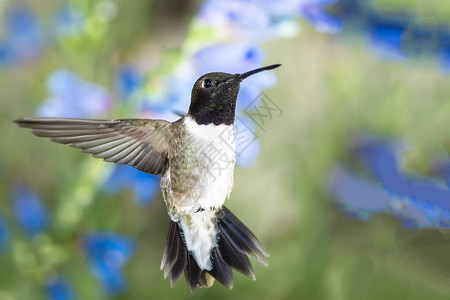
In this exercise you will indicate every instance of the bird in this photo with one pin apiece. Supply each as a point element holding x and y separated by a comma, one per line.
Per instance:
<point>195,156</point>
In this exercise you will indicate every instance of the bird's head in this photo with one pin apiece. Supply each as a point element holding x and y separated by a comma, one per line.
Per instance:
<point>214,95</point>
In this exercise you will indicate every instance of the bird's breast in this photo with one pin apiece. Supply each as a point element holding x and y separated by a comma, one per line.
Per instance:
<point>200,173</point>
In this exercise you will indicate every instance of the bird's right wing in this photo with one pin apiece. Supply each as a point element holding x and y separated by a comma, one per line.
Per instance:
<point>141,143</point>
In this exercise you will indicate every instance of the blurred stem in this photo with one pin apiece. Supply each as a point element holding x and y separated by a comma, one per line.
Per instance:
<point>79,194</point>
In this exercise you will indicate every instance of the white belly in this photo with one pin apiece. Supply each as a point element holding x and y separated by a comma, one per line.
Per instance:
<point>216,147</point>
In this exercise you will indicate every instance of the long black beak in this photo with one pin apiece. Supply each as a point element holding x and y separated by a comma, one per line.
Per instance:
<point>249,73</point>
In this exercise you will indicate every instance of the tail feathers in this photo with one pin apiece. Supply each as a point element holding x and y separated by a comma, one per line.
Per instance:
<point>234,257</point>
<point>235,242</point>
<point>241,237</point>
<point>175,254</point>
<point>221,271</point>
<point>192,273</point>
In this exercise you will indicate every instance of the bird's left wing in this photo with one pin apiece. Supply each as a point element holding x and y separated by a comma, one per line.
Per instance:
<point>140,143</point>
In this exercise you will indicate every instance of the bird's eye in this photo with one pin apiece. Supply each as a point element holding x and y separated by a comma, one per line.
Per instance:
<point>207,83</point>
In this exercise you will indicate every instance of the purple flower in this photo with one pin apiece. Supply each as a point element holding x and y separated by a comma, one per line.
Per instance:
<point>22,39</point>
<point>145,186</point>
<point>70,96</point>
<point>28,209</point>
<point>57,288</point>
<point>107,253</point>
<point>4,233</point>
<point>416,201</point>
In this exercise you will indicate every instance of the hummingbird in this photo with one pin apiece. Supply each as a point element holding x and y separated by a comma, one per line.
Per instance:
<point>195,156</point>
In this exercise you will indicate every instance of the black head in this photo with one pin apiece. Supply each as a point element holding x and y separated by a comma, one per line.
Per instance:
<point>214,95</point>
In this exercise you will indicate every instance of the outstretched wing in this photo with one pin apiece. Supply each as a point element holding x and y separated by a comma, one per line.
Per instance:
<point>141,143</point>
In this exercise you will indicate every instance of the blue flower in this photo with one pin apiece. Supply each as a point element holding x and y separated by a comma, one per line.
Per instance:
<point>260,18</point>
<point>240,57</point>
<point>245,17</point>
<point>358,197</point>
<point>57,288</point>
<point>28,209</point>
<point>386,39</point>
<point>4,233</point>
<point>70,96</point>
<point>7,55</point>
<point>445,59</point>
<point>69,21</point>
<point>381,160</point>
<point>323,22</point>
<point>145,186</point>
<point>174,95</point>
<point>416,201</point>
<point>284,8</point>
<point>246,142</point>
<point>107,253</point>
<point>128,80</point>
<point>22,40</point>
<point>361,198</point>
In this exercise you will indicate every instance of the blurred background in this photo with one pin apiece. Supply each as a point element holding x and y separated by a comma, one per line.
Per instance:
<point>343,170</point>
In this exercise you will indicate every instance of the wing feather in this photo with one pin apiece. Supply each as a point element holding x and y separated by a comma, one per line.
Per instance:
<point>141,143</point>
